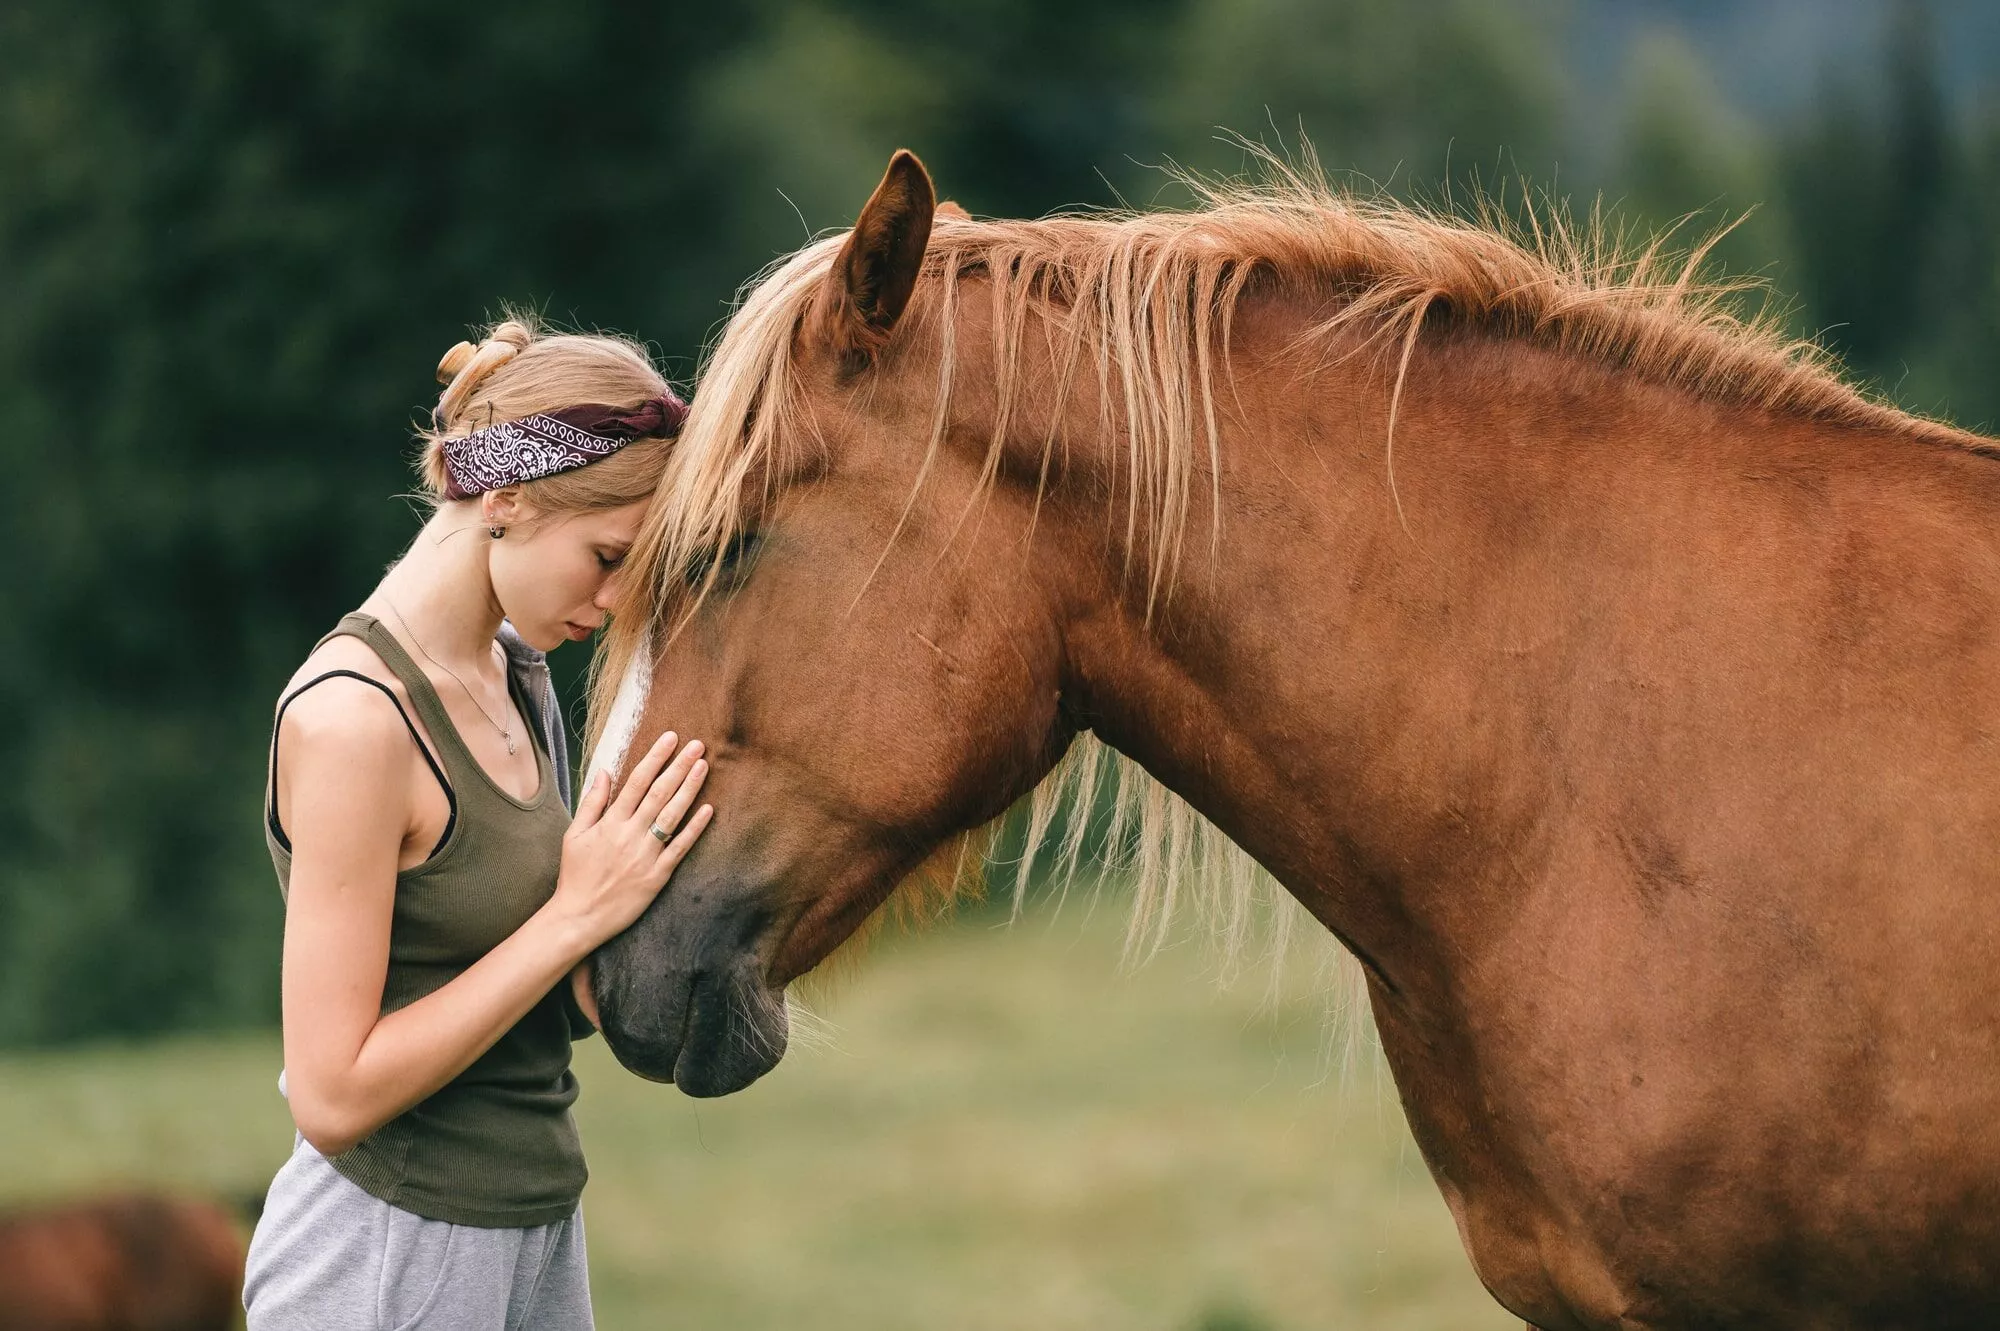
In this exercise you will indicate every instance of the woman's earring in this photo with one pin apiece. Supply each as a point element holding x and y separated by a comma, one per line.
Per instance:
<point>496,532</point>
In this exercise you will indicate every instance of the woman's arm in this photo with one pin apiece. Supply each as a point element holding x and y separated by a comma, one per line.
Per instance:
<point>349,1070</point>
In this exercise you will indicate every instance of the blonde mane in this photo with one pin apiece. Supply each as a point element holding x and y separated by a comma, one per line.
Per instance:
<point>1143,302</point>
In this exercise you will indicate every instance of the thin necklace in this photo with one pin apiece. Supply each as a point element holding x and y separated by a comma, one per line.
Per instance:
<point>506,732</point>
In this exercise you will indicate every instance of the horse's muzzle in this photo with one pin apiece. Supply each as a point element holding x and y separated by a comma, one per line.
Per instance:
<point>684,999</point>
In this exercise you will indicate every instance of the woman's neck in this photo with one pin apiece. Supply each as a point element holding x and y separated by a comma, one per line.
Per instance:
<point>441,593</point>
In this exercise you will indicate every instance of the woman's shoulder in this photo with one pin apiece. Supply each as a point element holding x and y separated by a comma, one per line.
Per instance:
<point>344,713</point>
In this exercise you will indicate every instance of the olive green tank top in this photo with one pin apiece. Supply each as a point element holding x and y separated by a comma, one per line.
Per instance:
<point>496,1146</point>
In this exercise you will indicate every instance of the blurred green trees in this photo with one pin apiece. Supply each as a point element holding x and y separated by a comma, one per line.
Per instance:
<point>235,235</point>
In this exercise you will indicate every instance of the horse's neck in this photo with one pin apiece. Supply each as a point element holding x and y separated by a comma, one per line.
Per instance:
<point>1374,688</point>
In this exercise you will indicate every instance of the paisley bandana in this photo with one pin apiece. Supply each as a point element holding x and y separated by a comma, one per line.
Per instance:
<point>510,452</point>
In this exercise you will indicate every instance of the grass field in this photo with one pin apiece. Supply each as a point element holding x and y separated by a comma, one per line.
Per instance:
<point>1003,1131</point>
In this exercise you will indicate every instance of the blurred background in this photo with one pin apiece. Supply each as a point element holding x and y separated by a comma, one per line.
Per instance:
<point>235,236</point>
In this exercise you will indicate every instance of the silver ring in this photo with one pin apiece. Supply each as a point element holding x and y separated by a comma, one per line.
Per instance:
<point>659,832</point>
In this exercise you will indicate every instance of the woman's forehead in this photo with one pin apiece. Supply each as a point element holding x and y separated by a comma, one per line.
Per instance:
<point>619,524</point>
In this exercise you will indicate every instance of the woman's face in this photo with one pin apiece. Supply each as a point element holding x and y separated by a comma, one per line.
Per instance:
<point>556,577</point>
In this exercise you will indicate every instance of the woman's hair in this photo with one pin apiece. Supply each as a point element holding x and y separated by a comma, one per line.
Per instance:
<point>516,371</point>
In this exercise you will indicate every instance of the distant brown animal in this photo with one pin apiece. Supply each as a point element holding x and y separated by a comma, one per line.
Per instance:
<point>128,1263</point>
<point>1618,684</point>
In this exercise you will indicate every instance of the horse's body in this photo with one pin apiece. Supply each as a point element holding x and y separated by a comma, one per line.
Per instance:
<point>1640,738</point>
<point>121,1263</point>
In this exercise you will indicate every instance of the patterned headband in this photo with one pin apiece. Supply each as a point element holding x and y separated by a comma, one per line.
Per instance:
<point>552,441</point>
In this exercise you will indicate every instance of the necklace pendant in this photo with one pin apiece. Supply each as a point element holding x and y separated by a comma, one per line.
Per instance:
<point>509,736</point>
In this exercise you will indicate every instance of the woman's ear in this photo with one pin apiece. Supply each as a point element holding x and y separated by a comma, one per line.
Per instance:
<point>503,507</point>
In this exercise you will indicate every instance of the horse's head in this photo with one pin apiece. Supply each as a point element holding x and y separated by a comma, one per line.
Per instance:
<point>845,607</point>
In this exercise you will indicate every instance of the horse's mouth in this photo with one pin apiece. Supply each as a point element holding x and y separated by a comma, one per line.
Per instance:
<point>710,1033</point>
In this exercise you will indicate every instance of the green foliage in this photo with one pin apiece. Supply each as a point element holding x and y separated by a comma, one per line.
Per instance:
<point>1687,154</point>
<point>1396,94</point>
<point>1897,224</point>
<point>236,234</point>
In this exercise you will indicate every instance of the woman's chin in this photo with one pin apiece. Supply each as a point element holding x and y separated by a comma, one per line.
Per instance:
<point>542,639</point>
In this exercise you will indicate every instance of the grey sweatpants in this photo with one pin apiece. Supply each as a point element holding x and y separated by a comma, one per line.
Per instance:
<point>327,1256</point>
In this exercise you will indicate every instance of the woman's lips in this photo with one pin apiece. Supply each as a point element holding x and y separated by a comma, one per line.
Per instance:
<point>577,632</point>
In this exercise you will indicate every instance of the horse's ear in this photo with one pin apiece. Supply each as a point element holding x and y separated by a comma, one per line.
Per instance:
<point>877,269</point>
<point>949,208</point>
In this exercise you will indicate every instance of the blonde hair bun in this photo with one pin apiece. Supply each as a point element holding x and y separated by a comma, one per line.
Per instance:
<point>455,360</point>
<point>464,366</point>
<point>516,370</point>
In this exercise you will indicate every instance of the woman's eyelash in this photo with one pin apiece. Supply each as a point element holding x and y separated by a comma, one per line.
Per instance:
<point>607,563</point>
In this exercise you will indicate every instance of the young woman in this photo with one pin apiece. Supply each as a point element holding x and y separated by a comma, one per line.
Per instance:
<point>440,900</point>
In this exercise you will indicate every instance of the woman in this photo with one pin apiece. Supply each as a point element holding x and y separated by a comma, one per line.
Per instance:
<point>440,901</point>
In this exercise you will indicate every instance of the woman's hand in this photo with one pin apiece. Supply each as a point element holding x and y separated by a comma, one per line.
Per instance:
<point>614,862</point>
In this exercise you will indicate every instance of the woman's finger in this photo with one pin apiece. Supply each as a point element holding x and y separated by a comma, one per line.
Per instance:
<point>669,781</point>
<point>591,807</point>
<point>682,798</point>
<point>677,849</point>
<point>640,779</point>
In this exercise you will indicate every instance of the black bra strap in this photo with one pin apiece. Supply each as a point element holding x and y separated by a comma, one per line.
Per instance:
<point>272,812</point>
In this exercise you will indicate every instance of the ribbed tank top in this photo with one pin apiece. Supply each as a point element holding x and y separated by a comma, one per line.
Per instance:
<point>496,1146</point>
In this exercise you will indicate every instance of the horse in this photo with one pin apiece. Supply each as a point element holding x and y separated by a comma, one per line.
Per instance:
<point>125,1262</point>
<point>1612,678</point>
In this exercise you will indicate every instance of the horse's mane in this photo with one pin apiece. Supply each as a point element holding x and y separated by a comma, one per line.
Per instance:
<point>1143,302</point>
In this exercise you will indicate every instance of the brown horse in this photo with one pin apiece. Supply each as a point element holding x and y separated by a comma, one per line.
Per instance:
<point>132,1262</point>
<point>1617,684</point>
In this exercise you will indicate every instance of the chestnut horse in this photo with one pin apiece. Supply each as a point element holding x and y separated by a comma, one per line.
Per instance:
<point>1620,687</point>
<point>129,1262</point>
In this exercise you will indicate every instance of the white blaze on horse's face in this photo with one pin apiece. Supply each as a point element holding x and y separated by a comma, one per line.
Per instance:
<point>627,706</point>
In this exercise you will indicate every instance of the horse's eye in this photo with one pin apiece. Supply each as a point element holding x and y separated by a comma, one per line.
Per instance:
<point>733,556</point>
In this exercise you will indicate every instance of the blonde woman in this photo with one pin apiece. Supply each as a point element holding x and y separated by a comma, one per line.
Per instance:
<point>440,899</point>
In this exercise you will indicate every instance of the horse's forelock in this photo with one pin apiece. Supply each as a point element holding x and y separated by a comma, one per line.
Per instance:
<point>733,427</point>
